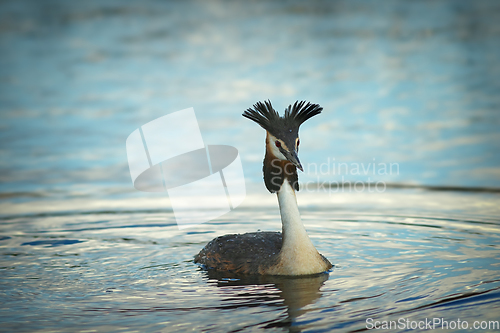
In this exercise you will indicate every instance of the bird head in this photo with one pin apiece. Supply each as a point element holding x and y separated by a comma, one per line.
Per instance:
<point>283,132</point>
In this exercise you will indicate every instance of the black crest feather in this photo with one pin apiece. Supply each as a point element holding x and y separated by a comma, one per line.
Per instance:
<point>300,111</point>
<point>264,114</point>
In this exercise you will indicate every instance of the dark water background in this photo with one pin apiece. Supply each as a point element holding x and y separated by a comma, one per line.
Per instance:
<point>413,84</point>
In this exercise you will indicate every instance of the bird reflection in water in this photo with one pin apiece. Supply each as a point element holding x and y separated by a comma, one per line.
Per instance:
<point>293,292</point>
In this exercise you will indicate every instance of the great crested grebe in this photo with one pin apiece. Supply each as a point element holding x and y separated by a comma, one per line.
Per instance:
<point>273,253</point>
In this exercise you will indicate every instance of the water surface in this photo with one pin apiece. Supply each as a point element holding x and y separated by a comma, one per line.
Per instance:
<point>135,271</point>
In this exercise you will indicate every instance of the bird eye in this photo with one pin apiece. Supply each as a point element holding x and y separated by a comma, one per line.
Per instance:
<point>277,143</point>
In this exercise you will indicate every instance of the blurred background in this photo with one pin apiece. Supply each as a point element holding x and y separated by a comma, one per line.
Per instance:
<point>413,83</point>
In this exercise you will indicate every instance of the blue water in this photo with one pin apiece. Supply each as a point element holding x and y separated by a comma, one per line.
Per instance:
<point>110,271</point>
<point>412,85</point>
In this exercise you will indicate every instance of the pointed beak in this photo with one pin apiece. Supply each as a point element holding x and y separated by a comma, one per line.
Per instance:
<point>292,157</point>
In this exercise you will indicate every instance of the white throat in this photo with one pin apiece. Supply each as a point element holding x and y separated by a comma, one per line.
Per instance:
<point>293,229</point>
<point>298,256</point>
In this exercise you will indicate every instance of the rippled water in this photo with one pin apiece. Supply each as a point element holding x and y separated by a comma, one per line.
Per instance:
<point>134,270</point>
<point>409,83</point>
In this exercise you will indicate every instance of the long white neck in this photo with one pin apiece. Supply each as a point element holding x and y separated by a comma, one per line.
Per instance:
<point>294,233</point>
<point>298,256</point>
